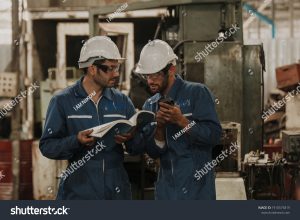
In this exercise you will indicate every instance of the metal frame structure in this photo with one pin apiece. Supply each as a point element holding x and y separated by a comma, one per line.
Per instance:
<point>95,12</point>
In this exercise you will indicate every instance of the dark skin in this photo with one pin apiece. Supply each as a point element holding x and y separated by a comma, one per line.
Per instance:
<point>95,81</point>
<point>166,113</point>
<point>171,114</point>
<point>84,138</point>
<point>119,139</point>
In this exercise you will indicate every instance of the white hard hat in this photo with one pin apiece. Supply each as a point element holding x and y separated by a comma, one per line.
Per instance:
<point>155,56</point>
<point>99,47</point>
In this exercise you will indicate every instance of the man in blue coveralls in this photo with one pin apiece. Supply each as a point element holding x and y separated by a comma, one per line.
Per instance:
<point>95,169</point>
<point>186,131</point>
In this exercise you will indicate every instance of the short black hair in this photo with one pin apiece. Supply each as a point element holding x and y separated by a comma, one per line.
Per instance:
<point>167,68</point>
<point>84,70</point>
<point>99,62</point>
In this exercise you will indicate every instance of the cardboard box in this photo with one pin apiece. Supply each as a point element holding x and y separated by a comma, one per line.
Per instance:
<point>288,76</point>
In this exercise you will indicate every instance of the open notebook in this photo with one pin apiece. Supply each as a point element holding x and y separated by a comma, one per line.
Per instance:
<point>121,126</point>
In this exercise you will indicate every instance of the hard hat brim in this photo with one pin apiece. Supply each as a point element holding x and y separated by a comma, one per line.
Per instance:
<point>141,70</point>
<point>90,61</point>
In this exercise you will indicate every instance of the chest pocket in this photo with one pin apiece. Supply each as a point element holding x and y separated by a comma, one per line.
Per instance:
<point>185,107</point>
<point>79,121</point>
<point>113,111</point>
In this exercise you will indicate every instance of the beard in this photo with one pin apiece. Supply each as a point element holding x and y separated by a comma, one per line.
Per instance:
<point>159,88</point>
<point>104,82</point>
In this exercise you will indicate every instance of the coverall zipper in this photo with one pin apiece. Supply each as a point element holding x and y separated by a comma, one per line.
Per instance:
<point>96,105</point>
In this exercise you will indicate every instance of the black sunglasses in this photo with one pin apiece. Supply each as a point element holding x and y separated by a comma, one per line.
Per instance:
<point>106,68</point>
<point>164,72</point>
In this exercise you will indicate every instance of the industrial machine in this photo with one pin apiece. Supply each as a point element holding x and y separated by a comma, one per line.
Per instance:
<point>291,145</point>
<point>231,145</point>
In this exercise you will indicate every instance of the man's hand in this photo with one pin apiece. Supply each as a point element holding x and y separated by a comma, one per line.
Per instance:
<point>83,137</point>
<point>121,138</point>
<point>172,114</point>
<point>161,122</point>
<point>161,126</point>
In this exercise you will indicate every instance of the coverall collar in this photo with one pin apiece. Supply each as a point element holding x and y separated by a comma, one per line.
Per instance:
<point>175,87</point>
<point>80,91</point>
<point>172,93</point>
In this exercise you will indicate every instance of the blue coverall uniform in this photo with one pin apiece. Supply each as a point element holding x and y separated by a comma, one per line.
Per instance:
<point>102,176</point>
<point>185,153</point>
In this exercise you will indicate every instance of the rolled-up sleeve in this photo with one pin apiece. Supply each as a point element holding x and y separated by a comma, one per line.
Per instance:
<point>55,142</point>
<point>153,150</point>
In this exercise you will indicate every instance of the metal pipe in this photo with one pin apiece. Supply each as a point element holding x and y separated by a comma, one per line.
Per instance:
<point>260,16</point>
<point>260,9</point>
